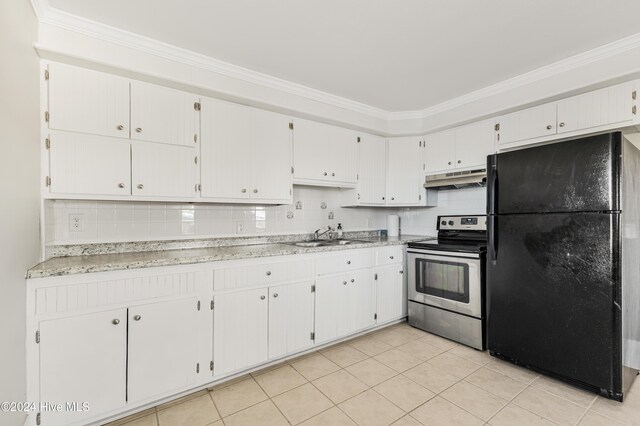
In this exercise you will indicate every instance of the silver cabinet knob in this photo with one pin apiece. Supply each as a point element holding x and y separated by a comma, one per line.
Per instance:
<point>561,124</point>
<point>352,280</point>
<point>402,272</point>
<point>140,186</point>
<point>275,294</point>
<point>549,126</point>
<point>121,185</point>
<point>137,317</point>
<point>459,161</point>
<point>139,129</point>
<point>393,198</point>
<point>115,321</point>
<point>348,262</point>
<point>255,191</point>
<point>262,297</point>
<point>344,283</point>
<point>333,174</point>
<point>119,127</point>
<point>449,163</point>
<point>325,173</point>
<point>268,273</point>
<point>391,257</point>
<point>243,190</point>
<point>383,198</point>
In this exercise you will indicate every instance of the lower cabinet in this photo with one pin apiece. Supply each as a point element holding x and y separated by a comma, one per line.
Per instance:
<point>344,304</point>
<point>83,358</point>
<point>390,295</point>
<point>290,318</point>
<point>240,330</point>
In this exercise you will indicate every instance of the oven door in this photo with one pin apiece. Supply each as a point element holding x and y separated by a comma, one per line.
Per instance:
<point>446,280</point>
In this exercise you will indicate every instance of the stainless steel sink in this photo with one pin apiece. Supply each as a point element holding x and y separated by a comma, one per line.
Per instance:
<point>324,243</point>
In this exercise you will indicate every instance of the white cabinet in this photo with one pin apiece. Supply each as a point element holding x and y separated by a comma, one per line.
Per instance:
<point>89,165</point>
<point>460,148</point>
<point>405,171</point>
<point>240,329</point>
<point>87,101</point>
<point>290,318</point>
<point>246,154</point>
<point>83,358</point>
<point>324,155</point>
<point>606,106</point>
<point>372,173</point>
<point>162,348</point>
<point>344,304</point>
<point>529,123</point>
<point>159,170</point>
<point>160,114</point>
<point>389,292</point>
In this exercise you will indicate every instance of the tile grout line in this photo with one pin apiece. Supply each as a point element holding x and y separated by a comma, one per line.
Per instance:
<point>215,406</point>
<point>270,399</point>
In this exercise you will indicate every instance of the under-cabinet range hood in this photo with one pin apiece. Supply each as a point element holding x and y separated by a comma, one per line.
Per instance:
<point>457,180</point>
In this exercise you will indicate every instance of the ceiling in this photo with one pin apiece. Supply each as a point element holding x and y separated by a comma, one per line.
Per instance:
<point>397,55</point>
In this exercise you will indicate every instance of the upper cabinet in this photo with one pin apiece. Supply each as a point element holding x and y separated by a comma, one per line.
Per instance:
<point>86,101</point>
<point>461,148</point>
<point>324,155</point>
<point>371,173</point>
<point>405,168</point>
<point>246,154</point>
<point>599,110</point>
<point>159,114</point>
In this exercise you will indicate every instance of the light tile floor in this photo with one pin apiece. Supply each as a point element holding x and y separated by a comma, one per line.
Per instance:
<point>398,375</point>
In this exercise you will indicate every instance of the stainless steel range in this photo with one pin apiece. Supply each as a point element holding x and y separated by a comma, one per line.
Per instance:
<point>447,280</point>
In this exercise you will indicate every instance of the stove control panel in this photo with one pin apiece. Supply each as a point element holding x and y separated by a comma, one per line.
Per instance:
<point>452,223</point>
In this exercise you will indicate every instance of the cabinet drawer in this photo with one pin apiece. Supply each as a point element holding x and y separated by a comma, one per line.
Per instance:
<point>348,261</point>
<point>252,274</point>
<point>388,255</point>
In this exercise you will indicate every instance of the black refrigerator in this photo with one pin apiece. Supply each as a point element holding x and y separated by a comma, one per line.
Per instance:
<point>563,261</point>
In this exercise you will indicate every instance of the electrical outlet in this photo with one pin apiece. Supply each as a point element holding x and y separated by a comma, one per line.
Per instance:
<point>76,222</point>
<point>239,228</point>
<point>330,215</point>
<point>299,205</point>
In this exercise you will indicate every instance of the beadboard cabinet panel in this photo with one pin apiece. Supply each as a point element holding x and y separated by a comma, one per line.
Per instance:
<point>163,170</point>
<point>529,123</point>
<point>372,168</point>
<point>160,114</point>
<point>474,142</point>
<point>162,350</point>
<point>405,170</point>
<point>86,101</point>
<point>83,359</point>
<point>441,151</point>
<point>88,164</point>
<point>290,318</point>
<point>389,292</point>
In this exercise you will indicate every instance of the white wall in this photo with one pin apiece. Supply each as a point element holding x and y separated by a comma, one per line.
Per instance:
<point>131,221</point>
<point>19,177</point>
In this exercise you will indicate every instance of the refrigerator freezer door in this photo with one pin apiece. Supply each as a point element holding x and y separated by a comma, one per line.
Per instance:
<point>553,293</point>
<point>572,176</point>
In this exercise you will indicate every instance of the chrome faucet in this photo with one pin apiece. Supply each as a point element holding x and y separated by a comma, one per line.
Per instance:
<point>317,234</point>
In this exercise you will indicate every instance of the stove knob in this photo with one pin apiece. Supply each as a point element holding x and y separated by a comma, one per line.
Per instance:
<point>444,222</point>
<point>450,223</point>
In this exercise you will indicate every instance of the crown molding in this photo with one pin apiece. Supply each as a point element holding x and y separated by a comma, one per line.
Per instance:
<point>54,17</point>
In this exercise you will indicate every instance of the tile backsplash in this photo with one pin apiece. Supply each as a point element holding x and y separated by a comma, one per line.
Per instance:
<point>104,221</point>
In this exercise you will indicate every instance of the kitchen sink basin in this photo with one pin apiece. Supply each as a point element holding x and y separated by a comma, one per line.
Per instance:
<point>324,243</point>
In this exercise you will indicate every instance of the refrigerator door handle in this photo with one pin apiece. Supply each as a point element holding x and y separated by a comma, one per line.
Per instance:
<point>492,193</point>
<point>493,239</point>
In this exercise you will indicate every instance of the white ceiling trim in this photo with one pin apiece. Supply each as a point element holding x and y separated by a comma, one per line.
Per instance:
<point>54,17</point>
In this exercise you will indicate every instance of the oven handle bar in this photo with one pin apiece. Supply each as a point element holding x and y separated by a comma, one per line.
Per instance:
<point>445,253</point>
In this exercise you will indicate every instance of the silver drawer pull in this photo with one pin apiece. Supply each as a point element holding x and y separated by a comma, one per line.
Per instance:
<point>268,273</point>
<point>262,297</point>
<point>352,280</point>
<point>121,185</point>
<point>275,294</point>
<point>137,317</point>
<point>348,262</point>
<point>344,283</point>
<point>139,129</point>
<point>549,126</point>
<point>140,186</point>
<point>120,127</point>
<point>115,321</point>
<point>391,257</point>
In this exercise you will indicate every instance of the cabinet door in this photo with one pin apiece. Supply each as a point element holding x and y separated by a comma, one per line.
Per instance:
<point>91,165</point>
<point>87,101</point>
<point>361,300</point>
<point>224,150</point>
<point>160,114</point>
<point>162,348</point>
<point>389,292</point>
<point>159,170</point>
<point>441,151</point>
<point>331,310</point>
<point>602,107</point>
<point>473,143</point>
<point>290,318</point>
<point>405,163</point>
<point>83,359</point>
<point>311,155</point>
<point>528,124</point>
<point>372,167</point>
<point>270,156</point>
<point>342,159</point>
<point>240,330</point>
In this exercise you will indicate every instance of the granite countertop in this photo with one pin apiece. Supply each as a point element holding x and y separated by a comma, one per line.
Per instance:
<point>69,265</point>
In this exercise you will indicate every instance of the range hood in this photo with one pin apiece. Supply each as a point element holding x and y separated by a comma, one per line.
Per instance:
<point>457,180</point>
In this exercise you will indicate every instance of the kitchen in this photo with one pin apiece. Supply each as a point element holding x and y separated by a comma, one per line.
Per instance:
<point>213,231</point>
